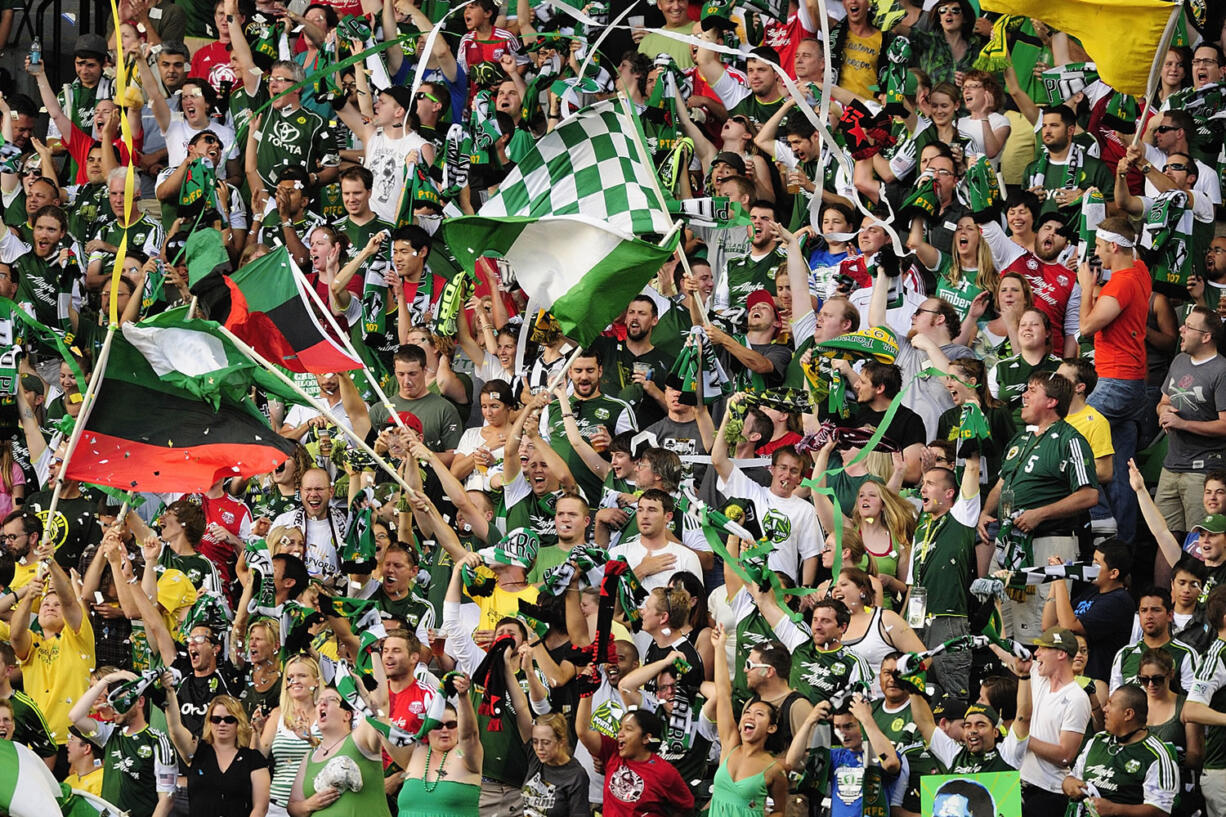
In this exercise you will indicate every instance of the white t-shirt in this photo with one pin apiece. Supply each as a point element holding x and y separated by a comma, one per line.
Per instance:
<point>300,414</point>
<point>1207,183</point>
<point>1066,710</point>
<point>385,160</point>
<point>635,552</point>
<point>789,522</point>
<point>321,544</point>
<point>972,129</point>
<point>180,133</point>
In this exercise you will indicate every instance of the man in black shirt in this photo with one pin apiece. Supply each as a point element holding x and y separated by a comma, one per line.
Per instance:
<point>878,385</point>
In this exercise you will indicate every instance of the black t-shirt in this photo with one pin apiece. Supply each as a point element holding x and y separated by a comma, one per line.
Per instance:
<point>75,527</point>
<point>905,429</point>
<point>1107,619</point>
<point>195,692</point>
<point>214,793</point>
<point>692,679</point>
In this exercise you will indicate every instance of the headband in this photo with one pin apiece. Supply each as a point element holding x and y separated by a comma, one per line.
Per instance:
<point>1115,238</point>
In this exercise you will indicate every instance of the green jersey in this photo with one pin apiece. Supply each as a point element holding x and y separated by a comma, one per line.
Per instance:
<point>297,137</point>
<point>1008,380</point>
<point>1127,664</point>
<point>521,507</point>
<point>45,288</point>
<point>144,234</point>
<point>29,725</point>
<point>271,235</point>
<point>1209,689</point>
<point>411,609</point>
<point>746,275</point>
<point>89,205</point>
<point>942,559</point>
<point>506,756</point>
<point>897,725</point>
<point>1039,469</point>
<point>1130,774</point>
<point>819,674</point>
<point>612,414</point>
<point>1006,756</point>
<point>136,768</point>
<point>199,570</point>
<point>961,292</point>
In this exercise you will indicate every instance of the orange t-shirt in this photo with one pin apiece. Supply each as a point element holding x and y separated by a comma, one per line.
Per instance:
<point>1119,348</point>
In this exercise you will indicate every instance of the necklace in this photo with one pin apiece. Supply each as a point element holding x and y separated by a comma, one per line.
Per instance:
<point>332,748</point>
<point>442,772</point>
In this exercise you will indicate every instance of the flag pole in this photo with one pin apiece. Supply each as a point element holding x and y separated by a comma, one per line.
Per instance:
<point>348,344</point>
<point>318,406</point>
<point>78,428</point>
<point>1155,68</point>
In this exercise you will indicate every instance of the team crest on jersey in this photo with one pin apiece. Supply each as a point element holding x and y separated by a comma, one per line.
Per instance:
<point>601,413</point>
<point>227,517</point>
<point>1062,280</point>
<point>1133,766</point>
<point>144,751</point>
<point>1012,452</point>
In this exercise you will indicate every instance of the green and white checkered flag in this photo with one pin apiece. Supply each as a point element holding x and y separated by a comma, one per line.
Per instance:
<point>568,218</point>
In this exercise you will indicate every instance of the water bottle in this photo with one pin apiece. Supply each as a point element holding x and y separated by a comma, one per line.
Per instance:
<point>36,51</point>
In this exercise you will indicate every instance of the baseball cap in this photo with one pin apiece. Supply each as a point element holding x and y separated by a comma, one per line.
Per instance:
<point>987,710</point>
<point>410,419</point>
<point>34,383</point>
<point>402,96</point>
<point>1060,638</point>
<point>731,159</point>
<point>1213,523</point>
<point>175,590</point>
<point>91,45</point>
<point>717,14</point>
<point>760,296</point>
<point>949,707</point>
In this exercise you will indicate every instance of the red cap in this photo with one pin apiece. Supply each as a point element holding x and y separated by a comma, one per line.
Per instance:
<point>409,419</point>
<point>759,296</point>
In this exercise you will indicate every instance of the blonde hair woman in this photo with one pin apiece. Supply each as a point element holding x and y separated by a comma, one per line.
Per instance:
<point>291,729</point>
<point>227,778</point>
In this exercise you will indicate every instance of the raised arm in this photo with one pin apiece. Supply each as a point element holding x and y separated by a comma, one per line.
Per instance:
<point>597,464</point>
<point>729,733</point>
<point>1167,544</point>
<point>185,743</point>
<point>50,102</point>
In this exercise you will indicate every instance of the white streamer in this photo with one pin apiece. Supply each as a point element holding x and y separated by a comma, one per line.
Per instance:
<point>424,57</point>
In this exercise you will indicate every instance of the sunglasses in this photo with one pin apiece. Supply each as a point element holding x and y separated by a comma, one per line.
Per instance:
<point>420,95</point>
<point>199,639</point>
<point>446,725</point>
<point>1175,166</point>
<point>750,666</point>
<point>227,719</point>
<point>1148,680</point>
<point>1166,128</point>
<point>950,10</point>
<point>209,139</point>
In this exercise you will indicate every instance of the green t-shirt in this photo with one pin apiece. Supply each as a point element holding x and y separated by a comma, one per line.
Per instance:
<point>1092,172</point>
<point>144,234</point>
<point>546,557</point>
<point>820,674</point>
<point>409,609</point>
<point>88,206</point>
<point>199,570</point>
<point>757,111</point>
<point>958,294</point>
<point>521,507</point>
<point>441,426</point>
<point>29,725</point>
<point>506,756</point>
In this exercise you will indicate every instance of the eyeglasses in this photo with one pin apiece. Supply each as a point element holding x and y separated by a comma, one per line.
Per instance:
<point>446,725</point>
<point>750,666</point>
<point>943,173</point>
<point>420,95</point>
<point>12,537</point>
<point>1166,128</point>
<point>199,639</point>
<point>1205,61</point>
<point>1217,250</point>
<point>1195,329</point>
<point>929,311</point>
<point>1174,166</point>
<point>280,79</point>
<point>227,719</point>
<point>1151,680</point>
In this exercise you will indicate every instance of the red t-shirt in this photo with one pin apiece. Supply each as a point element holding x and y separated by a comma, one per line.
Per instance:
<point>407,708</point>
<point>632,788</point>
<point>79,144</point>
<point>233,515</point>
<point>212,63</point>
<point>1119,347</point>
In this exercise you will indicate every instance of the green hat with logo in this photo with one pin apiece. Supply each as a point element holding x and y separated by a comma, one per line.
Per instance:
<point>1213,523</point>
<point>1058,638</point>
<point>717,14</point>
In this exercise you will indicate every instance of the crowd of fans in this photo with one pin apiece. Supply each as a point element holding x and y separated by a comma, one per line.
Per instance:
<point>1031,443</point>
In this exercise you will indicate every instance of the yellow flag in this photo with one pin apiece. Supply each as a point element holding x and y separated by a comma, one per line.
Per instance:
<point>1121,36</point>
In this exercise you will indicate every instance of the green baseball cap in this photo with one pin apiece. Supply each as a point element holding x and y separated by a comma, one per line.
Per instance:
<point>1213,523</point>
<point>717,14</point>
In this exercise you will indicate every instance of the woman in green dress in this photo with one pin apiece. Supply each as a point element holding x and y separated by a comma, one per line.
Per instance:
<point>748,773</point>
<point>442,774</point>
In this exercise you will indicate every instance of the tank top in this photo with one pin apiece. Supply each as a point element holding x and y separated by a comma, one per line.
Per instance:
<point>288,750</point>
<point>872,646</point>
<point>369,801</point>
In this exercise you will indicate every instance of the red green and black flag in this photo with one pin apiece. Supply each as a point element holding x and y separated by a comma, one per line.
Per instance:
<point>167,418</point>
<point>269,307</point>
